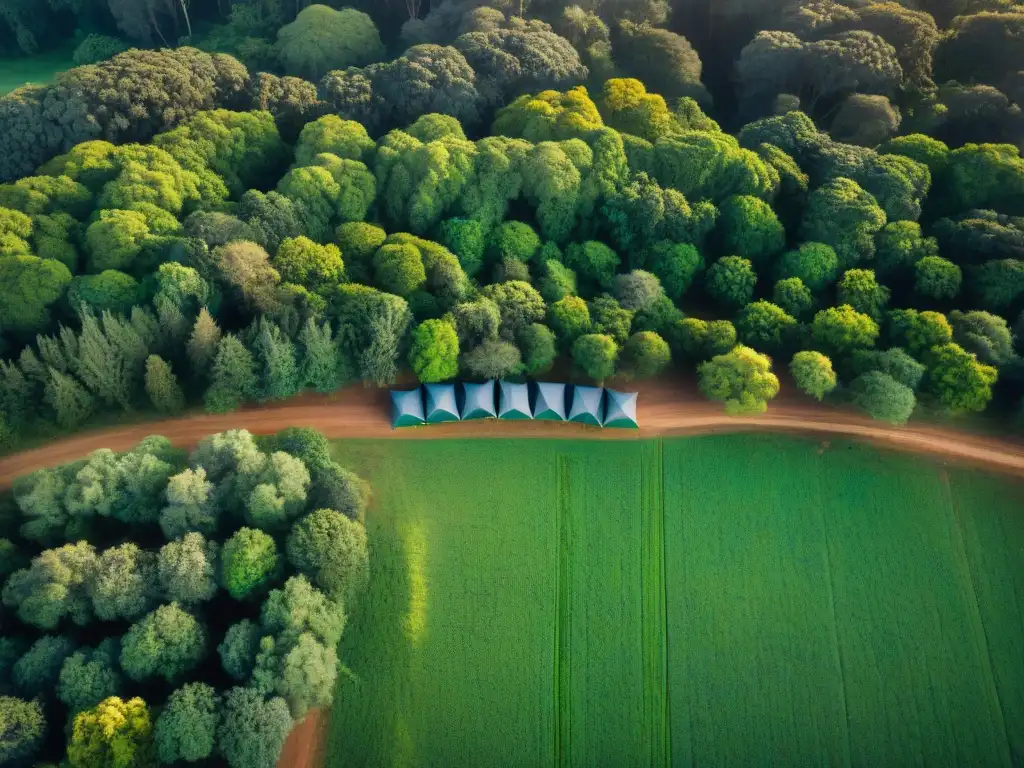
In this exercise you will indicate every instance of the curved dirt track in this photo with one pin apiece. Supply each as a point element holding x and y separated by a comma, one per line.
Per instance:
<point>666,407</point>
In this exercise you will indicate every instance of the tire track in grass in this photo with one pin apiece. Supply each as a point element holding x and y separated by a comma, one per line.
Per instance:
<point>963,565</point>
<point>654,625</point>
<point>563,618</point>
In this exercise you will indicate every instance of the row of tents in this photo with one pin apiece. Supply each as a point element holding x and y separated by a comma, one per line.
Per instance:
<point>437,403</point>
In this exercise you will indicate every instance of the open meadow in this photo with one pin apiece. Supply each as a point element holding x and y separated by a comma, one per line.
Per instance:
<point>733,600</point>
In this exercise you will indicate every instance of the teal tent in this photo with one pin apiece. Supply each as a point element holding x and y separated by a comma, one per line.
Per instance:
<point>549,401</point>
<point>478,401</point>
<point>620,409</point>
<point>441,405</point>
<point>586,405</point>
<point>513,401</point>
<point>407,408</point>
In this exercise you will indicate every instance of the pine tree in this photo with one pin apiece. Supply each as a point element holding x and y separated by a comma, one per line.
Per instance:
<point>16,396</point>
<point>174,324</point>
<point>162,386</point>
<point>149,328</point>
<point>70,401</point>
<point>275,353</point>
<point>233,378</point>
<point>52,352</point>
<point>33,368</point>
<point>203,344</point>
<point>320,362</point>
<point>100,367</point>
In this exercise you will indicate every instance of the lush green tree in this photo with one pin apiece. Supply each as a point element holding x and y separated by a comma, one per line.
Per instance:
<point>750,229</point>
<point>997,285</point>
<point>331,134</point>
<point>245,270</point>
<point>492,359</point>
<point>204,342</point>
<point>518,303</point>
<point>937,278</point>
<point>930,152</point>
<point>609,317</point>
<point>279,492</point>
<point>187,569</point>
<point>636,290</point>
<point>90,675</point>
<point>322,38</point>
<point>109,289</point>
<point>162,386</point>
<point>299,668</point>
<point>332,551</point>
<point>894,362</point>
<point>31,286</point>
<point>594,263</point>
<point>556,280</point>
<point>191,505</point>
<point>741,378</point>
<point>167,642</point>
<point>813,373</point>
<point>569,318</point>
<point>186,727</point>
<point>122,584</point>
<point>595,354</point>
<point>958,382</point>
<point>277,367</point>
<point>233,378</point>
<point>730,281</point>
<point>764,326</point>
<point>793,296</point>
<point>676,265</point>
<point>300,260</point>
<point>983,334</point>
<point>843,329</point>
<point>918,332</point>
<point>663,60</point>
<point>860,290</point>
<point>882,397</point>
<point>72,404</point>
<point>112,734</point>
<point>22,727</point>
<point>537,345</point>
<point>37,671</point>
<point>899,246</point>
<point>320,365</point>
<point>515,240</point>
<point>842,215</point>
<point>398,268</point>
<point>115,239</point>
<point>434,351</point>
<point>238,649</point>
<point>271,217</point>
<point>55,586</point>
<point>816,264</point>
<point>464,238</point>
<point>866,120</point>
<point>645,354</point>
<point>252,729</point>
<point>299,607</point>
<point>249,559</point>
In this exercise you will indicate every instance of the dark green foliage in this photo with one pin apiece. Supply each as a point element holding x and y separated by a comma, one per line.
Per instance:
<point>793,296</point>
<point>31,286</point>
<point>594,263</point>
<point>644,354</point>
<point>464,238</point>
<point>860,290</point>
<point>90,675</point>
<point>997,286</point>
<point>842,215</point>
<point>22,727</point>
<point>252,729</point>
<point>167,642</point>
<point>331,550</point>
<point>537,345</point>
<point>109,289</point>
<point>162,386</point>
<point>123,583</point>
<point>730,281</point>
<point>321,39</point>
<point>983,334</point>
<point>676,265</point>
<point>937,278</point>
<point>894,362</point>
<point>186,728</point>
<point>238,649</point>
<point>518,303</point>
<point>609,317</point>
<point>882,397</point>
<point>918,332</point>
<point>750,229</point>
<point>186,569</point>
<point>54,587</point>
<point>299,607</point>
<point>233,377</point>
<point>900,246</point>
<point>36,672</point>
<point>816,264</point>
<point>636,290</point>
<point>249,560</point>
<point>277,369</point>
<point>764,326</point>
<point>595,354</point>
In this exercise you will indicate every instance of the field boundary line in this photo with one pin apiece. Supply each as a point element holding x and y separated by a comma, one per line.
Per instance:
<point>563,618</point>
<point>653,618</point>
<point>963,563</point>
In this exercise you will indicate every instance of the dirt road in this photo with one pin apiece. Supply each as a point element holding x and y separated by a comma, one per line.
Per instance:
<point>666,407</point>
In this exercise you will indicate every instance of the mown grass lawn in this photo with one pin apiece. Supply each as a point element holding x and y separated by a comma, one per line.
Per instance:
<point>739,600</point>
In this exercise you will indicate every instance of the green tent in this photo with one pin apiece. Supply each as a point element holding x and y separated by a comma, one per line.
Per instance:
<point>549,401</point>
<point>478,401</point>
<point>513,401</point>
<point>406,408</point>
<point>620,409</point>
<point>441,405</point>
<point>586,405</point>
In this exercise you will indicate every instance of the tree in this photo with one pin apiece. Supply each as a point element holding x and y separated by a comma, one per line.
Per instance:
<point>186,569</point>
<point>22,726</point>
<point>464,238</point>
<point>245,269</point>
<point>813,373</point>
<point>860,290</point>
<point>278,371</point>
<point>434,352</point>
<point>109,289</point>
<point>765,326</point>
<point>321,39</point>
<point>843,329</point>
<point>70,401</point>
<point>664,61</point>
<point>299,607</point>
<point>398,268</point>
<point>37,671</point>
<point>900,246</point>
<point>596,355</point>
<point>167,642</point>
<point>115,239</point>
<point>595,263</point>
<point>730,281</point>
<point>320,365</point>
<point>842,215</point>
<point>816,264</point>
<point>997,285</point>
<point>249,560</point>
<point>866,120</point>
<point>918,332</point>
<point>741,378</point>
<point>984,335</point>
<point>937,278</point>
<point>112,734</point>
<point>300,260</point>
<point>750,229</point>
<point>191,505</point>
<point>330,134</point>
<point>569,318</point>
<point>645,354</point>
<point>204,342</point>
<point>299,668</point>
<point>793,297</point>
<point>537,345</point>
<point>894,362</point>
<point>513,240</point>
<point>252,729</point>
<point>162,386</point>
<point>233,379</point>
<point>122,583</point>
<point>54,587</point>
<point>31,286</point>
<point>676,266</point>
<point>882,397</point>
<point>238,649</point>
<point>636,290</point>
<point>186,728</point>
<point>331,550</point>
<point>957,380</point>
<point>519,305</point>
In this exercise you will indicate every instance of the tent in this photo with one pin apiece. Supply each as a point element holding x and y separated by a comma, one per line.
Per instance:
<point>478,401</point>
<point>620,409</point>
<point>549,401</point>
<point>513,401</point>
<point>586,405</point>
<point>441,405</point>
<point>406,408</point>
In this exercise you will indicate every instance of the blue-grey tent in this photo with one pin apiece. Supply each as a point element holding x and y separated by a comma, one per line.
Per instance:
<point>441,405</point>
<point>586,405</point>
<point>549,401</point>
<point>620,409</point>
<point>406,408</point>
<point>513,401</point>
<point>478,401</point>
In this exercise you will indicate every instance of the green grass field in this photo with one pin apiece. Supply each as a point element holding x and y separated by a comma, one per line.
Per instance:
<point>740,600</point>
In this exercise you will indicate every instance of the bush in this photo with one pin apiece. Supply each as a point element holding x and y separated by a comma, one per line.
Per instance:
<point>813,373</point>
<point>882,397</point>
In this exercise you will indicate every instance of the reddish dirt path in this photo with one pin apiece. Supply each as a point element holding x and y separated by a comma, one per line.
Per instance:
<point>305,744</point>
<point>666,407</point>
